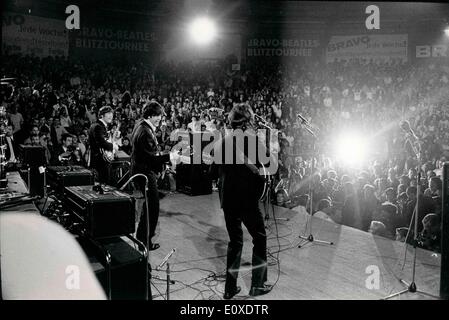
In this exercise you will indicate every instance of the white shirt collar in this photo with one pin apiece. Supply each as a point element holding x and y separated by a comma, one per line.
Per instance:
<point>104,122</point>
<point>150,124</point>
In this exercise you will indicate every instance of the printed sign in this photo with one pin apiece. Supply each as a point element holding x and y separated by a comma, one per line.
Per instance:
<point>375,47</point>
<point>290,47</point>
<point>32,35</point>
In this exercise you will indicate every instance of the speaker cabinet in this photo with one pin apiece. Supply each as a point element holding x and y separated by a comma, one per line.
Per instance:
<point>193,179</point>
<point>126,280</point>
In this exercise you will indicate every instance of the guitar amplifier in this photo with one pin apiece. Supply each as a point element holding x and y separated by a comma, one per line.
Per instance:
<point>193,179</point>
<point>102,213</point>
<point>60,177</point>
<point>123,277</point>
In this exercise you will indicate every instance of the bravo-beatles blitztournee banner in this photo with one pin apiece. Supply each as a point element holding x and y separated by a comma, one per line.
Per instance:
<point>385,47</point>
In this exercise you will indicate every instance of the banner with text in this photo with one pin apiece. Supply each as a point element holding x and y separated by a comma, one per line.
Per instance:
<point>34,35</point>
<point>385,47</point>
<point>133,40</point>
<point>286,47</point>
<point>432,45</point>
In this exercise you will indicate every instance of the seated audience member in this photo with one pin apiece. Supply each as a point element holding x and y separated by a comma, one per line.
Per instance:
<point>282,198</point>
<point>33,132</point>
<point>401,188</point>
<point>82,143</point>
<point>43,141</point>
<point>299,200</point>
<point>126,146</point>
<point>436,190</point>
<point>34,140</point>
<point>405,180</point>
<point>426,206</point>
<point>327,212</point>
<point>379,229</point>
<point>370,205</point>
<point>401,234</point>
<point>388,215</point>
<point>77,158</point>
<point>351,214</point>
<point>430,237</point>
<point>390,196</point>
<point>64,152</point>
<point>57,131</point>
<point>428,192</point>
<point>43,126</point>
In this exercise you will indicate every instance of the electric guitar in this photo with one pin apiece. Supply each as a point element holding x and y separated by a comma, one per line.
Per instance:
<point>107,155</point>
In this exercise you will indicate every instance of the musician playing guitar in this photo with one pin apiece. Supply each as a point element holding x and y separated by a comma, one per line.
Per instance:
<point>147,160</point>
<point>98,140</point>
<point>239,190</point>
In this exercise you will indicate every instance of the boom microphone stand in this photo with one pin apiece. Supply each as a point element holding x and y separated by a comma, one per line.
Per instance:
<point>167,270</point>
<point>411,287</point>
<point>309,220</point>
<point>267,199</point>
<point>147,244</point>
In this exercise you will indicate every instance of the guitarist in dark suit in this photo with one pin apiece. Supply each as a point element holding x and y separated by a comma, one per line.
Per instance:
<point>238,183</point>
<point>98,135</point>
<point>146,159</point>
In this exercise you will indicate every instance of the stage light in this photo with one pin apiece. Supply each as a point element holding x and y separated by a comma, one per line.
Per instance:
<point>446,31</point>
<point>350,149</point>
<point>202,30</point>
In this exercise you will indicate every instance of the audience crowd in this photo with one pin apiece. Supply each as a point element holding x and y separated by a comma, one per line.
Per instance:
<point>53,102</point>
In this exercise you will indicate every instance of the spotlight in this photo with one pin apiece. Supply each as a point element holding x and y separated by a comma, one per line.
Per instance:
<point>350,148</point>
<point>202,30</point>
<point>446,31</point>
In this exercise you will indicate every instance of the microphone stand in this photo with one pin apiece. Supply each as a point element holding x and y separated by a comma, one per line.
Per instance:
<point>167,271</point>
<point>309,220</point>
<point>147,239</point>
<point>411,287</point>
<point>267,200</point>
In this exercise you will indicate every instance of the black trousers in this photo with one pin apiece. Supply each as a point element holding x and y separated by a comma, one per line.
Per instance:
<point>254,221</point>
<point>101,172</point>
<point>153,206</point>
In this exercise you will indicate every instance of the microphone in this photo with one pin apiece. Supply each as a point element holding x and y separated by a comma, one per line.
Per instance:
<point>303,120</point>
<point>164,261</point>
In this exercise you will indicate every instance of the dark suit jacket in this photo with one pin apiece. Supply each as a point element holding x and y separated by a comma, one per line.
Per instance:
<point>145,157</point>
<point>97,141</point>
<point>8,150</point>
<point>239,187</point>
<point>55,157</point>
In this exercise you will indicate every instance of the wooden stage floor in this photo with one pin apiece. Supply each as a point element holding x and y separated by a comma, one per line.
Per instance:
<point>195,227</point>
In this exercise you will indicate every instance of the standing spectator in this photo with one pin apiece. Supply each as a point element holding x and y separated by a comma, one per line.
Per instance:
<point>16,119</point>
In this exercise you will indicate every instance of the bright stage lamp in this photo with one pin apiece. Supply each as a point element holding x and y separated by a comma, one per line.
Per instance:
<point>446,31</point>
<point>202,30</point>
<point>351,149</point>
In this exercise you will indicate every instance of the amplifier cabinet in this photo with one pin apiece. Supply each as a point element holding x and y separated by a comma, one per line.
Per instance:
<point>122,276</point>
<point>60,177</point>
<point>193,179</point>
<point>103,215</point>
